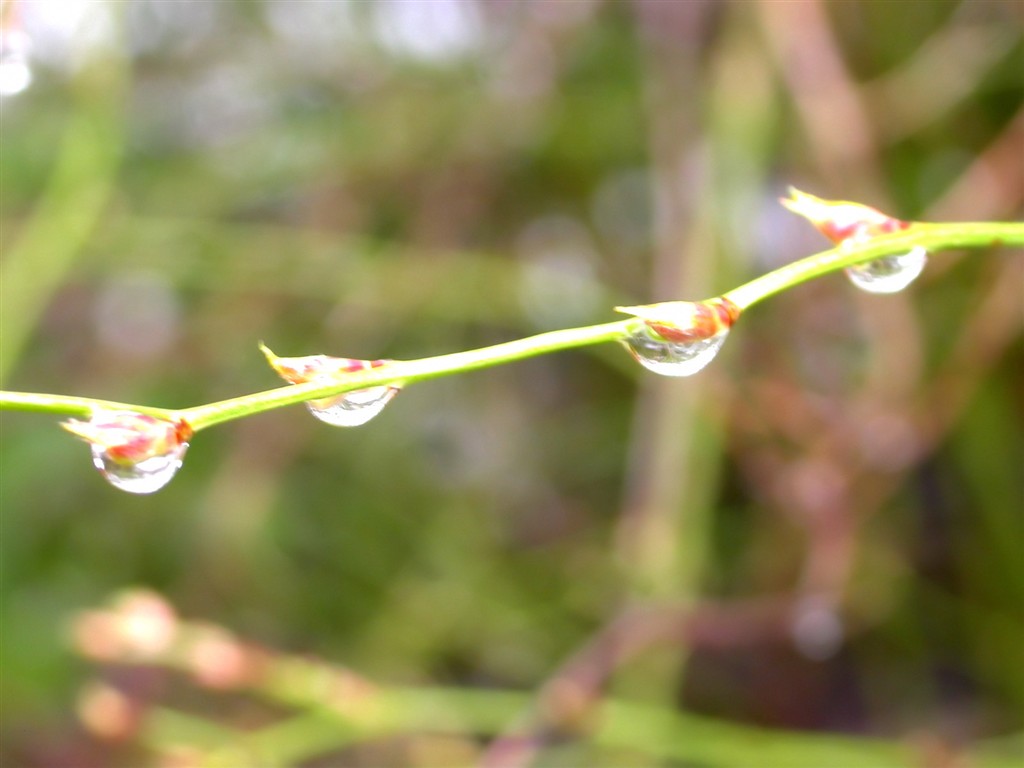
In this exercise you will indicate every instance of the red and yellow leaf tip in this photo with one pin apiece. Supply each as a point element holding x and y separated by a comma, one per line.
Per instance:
<point>299,370</point>
<point>128,437</point>
<point>686,321</point>
<point>294,370</point>
<point>840,220</point>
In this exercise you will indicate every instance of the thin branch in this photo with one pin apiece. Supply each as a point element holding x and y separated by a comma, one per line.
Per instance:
<point>933,237</point>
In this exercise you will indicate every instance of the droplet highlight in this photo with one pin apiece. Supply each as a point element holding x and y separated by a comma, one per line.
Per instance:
<point>142,477</point>
<point>674,358</point>
<point>15,72</point>
<point>352,409</point>
<point>889,274</point>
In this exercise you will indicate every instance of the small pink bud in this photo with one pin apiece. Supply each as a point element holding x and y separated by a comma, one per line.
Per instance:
<point>686,321</point>
<point>218,660</point>
<point>841,221</point>
<point>140,625</point>
<point>107,712</point>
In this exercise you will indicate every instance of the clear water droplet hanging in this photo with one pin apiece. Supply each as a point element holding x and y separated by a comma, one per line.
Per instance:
<point>145,476</point>
<point>669,358</point>
<point>680,338</point>
<point>349,409</point>
<point>134,452</point>
<point>352,409</point>
<point>889,274</point>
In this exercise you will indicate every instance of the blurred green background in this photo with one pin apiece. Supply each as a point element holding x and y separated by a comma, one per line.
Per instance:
<point>822,532</point>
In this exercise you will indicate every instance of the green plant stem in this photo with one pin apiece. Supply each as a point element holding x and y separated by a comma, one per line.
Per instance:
<point>932,237</point>
<point>72,406</point>
<point>404,372</point>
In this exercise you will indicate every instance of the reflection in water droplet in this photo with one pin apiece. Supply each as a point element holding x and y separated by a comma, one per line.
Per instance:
<point>145,476</point>
<point>673,358</point>
<point>889,274</point>
<point>352,409</point>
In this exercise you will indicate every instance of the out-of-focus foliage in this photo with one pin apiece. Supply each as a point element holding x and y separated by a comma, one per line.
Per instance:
<point>822,531</point>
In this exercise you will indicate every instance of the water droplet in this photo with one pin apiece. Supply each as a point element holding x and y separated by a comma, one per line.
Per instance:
<point>889,274</point>
<point>15,73</point>
<point>145,476</point>
<point>135,452</point>
<point>679,338</point>
<point>352,409</point>
<point>674,358</point>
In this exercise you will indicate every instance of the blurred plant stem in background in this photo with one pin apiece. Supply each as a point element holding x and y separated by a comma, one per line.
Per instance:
<point>331,707</point>
<point>81,183</point>
<point>675,443</point>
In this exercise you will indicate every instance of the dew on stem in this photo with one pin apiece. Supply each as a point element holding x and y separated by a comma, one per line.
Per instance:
<point>680,338</point>
<point>889,274</point>
<point>133,451</point>
<point>349,409</point>
<point>847,224</point>
<point>352,409</point>
<point>673,359</point>
<point>146,476</point>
